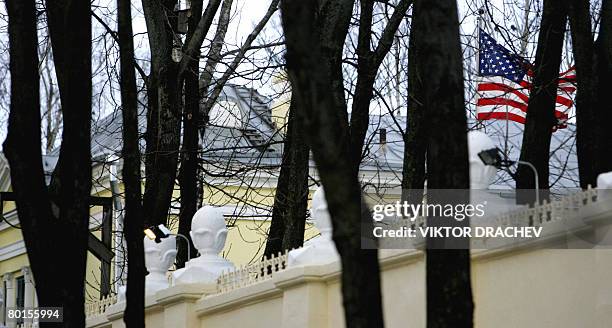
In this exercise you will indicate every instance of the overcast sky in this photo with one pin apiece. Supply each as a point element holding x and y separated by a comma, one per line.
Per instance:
<point>245,14</point>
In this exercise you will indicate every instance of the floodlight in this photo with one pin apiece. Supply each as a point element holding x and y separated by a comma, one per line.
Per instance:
<point>161,231</point>
<point>157,232</point>
<point>491,157</point>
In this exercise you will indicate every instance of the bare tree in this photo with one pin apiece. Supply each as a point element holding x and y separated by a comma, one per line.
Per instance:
<point>291,197</point>
<point>603,53</point>
<point>439,78</point>
<point>188,161</point>
<point>52,120</point>
<point>54,219</point>
<point>592,67</point>
<point>368,63</point>
<point>200,102</point>
<point>415,136</point>
<point>542,101</point>
<point>315,32</point>
<point>134,221</point>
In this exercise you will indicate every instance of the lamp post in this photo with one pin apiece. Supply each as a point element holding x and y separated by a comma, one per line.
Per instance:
<point>537,180</point>
<point>494,157</point>
<point>158,232</point>
<point>188,244</point>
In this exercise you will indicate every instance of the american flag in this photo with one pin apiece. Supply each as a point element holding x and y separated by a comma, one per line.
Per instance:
<point>505,81</point>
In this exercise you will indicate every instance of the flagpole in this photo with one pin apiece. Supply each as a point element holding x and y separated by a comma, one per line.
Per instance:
<point>478,28</point>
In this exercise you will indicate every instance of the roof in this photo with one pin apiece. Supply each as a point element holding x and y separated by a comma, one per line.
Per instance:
<point>259,141</point>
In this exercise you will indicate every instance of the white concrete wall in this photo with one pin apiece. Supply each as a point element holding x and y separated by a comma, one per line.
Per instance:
<point>536,288</point>
<point>515,285</point>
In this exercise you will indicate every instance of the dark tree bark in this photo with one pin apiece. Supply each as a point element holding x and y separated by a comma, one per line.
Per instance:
<point>603,60</point>
<point>315,32</point>
<point>588,129</point>
<point>198,29</point>
<point>163,116</point>
<point>70,33</point>
<point>368,63</point>
<point>542,101</point>
<point>22,145</point>
<point>187,178</point>
<point>439,78</point>
<point>134,221</point>
<point>54,220</point>
<point>291,197</point>
<point>214,53</point>
<point>415,135</point>
<point>165,101</point>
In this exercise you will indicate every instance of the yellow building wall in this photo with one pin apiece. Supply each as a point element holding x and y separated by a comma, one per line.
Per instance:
<point>9,236</point>
<point>14,265</point>
<point>245,241</point>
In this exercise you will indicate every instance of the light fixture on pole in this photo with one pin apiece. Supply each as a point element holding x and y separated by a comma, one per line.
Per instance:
<point>494,157</point>
<point>159,232</point>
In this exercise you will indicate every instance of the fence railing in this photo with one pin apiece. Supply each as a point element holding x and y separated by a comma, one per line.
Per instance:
<point>555,210</point>
<point>252,273</point>
<point>27,325</point>
<point>547,211</point>
<point>97,308</point>
<point>228,281</point>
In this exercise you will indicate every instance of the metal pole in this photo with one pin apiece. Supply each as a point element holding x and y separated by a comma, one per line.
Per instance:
<point>537,180</point>
<point>188,244</point>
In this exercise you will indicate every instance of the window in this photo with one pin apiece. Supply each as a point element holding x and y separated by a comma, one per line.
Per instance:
<point>227,114</point>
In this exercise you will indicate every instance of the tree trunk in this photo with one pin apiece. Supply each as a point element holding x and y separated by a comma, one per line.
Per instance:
<point>70,34</point>
<point>315,34</point>
<point>415,135</point>
<point>54,220</point>
<point>23,148</point>
<point>439,75</point>
<point>603,61</point>
<point>291,198</point>
<point>188,176</point>
<point>214,53</point>
<point>163,117</point>
<point>542,101</point>
<point>134,222</point>
<point>588,129</point>
<point>364,88</point>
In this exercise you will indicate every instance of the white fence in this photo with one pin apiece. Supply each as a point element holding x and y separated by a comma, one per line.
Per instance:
<point>96,308</point>
<point>252,273</point>
<point>28,325</point>
<point>228,281</point>
<point>565,207</point>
